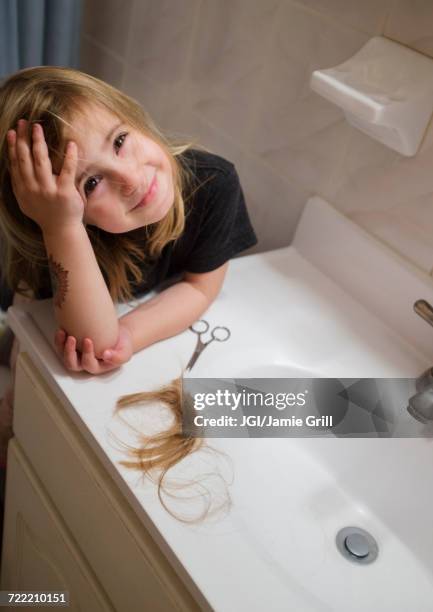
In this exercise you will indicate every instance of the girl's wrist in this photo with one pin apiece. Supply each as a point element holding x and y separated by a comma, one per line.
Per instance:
<point>63,231</point>
<point>129,328</point>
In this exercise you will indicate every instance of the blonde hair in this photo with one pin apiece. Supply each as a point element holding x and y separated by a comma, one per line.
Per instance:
<point>52,95</point>
<point>156,454</point>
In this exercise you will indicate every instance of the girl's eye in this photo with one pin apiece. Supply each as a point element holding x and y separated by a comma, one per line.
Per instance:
<point>90,185</point>
<point>121,137</point>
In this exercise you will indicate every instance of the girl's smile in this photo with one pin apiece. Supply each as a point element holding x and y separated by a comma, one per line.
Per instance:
<point>150,195</point>
<point>120,171</point>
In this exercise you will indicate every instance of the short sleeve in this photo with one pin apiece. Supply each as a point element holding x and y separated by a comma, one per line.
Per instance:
<point>225,228</point>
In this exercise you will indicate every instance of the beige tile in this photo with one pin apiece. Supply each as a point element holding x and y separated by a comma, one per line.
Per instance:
<point>152,95</point>
<point>390,195</point>
<point>303,145</point>
<point>368,16</point>
<point>373,177</point>
<point>297,132</point>
<point>411,23</point>
<point>100,63</point>
<point>228,59</point>
<point>161,37</point>
<point>230,110</point>
<point>364,178</point>
<point>275,204</point>
<point>107,21</point>
<point>313,39</point>
<point>191,127</point>
<point>418,211</point>
<point>230,35</point>
<point>409,240</point>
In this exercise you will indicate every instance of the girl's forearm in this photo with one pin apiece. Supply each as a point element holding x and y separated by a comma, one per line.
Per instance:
<point>165,315</point>
<point>82,303</point>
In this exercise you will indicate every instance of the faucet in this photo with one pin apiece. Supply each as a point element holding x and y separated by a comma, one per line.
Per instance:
<point>421,404</point>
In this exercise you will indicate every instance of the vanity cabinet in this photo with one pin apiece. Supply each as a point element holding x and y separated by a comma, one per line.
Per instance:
<point>67,526</point>
<point>40,552</point>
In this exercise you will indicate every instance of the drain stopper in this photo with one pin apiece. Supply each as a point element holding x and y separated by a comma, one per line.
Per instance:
<point>357,545</point>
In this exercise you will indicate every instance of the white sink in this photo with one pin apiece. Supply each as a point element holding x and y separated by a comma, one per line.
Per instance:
<point>290,516</point>
<point>292,496</point>
<point>258,363</point>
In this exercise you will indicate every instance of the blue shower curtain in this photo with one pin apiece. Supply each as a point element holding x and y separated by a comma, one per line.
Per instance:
<point>39,32</point>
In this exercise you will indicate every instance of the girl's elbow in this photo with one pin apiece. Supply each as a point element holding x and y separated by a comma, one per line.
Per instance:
<point>104,341</point>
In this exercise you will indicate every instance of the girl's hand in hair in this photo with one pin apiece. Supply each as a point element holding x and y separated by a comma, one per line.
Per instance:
<point>51,200</point>
<point>86,360</point>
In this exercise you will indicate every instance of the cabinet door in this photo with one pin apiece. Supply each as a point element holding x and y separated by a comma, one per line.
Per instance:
<point>39,553</point>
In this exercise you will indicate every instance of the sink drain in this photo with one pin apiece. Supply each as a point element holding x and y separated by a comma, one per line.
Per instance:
<point>357,545</point>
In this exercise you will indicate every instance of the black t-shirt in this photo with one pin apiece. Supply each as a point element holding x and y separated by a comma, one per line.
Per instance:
<point>217,226</point>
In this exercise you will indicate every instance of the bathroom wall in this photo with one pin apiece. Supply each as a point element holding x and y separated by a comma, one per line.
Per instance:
<point>234,74</point>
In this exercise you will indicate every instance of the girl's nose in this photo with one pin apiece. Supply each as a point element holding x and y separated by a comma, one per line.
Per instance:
<point>128,180</point>
<point>129,184</point>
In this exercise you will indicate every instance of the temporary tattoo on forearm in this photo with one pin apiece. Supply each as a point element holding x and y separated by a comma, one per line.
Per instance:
<point>59,281</point>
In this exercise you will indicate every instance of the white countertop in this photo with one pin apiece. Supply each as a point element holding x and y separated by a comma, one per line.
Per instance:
<point>221,560</point>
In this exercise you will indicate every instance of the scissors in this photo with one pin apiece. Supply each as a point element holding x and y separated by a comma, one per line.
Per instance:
<point>200,328</point>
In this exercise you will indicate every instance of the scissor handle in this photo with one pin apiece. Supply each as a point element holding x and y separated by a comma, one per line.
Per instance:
<point>224,336</point>
<point>195,327</point>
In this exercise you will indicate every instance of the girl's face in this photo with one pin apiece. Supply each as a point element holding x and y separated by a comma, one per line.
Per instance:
<point>118,168</point>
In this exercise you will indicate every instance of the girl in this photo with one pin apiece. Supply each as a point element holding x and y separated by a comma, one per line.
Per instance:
<point>98,206</point>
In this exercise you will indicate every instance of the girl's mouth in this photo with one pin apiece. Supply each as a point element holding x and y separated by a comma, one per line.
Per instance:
<point>150,194</point>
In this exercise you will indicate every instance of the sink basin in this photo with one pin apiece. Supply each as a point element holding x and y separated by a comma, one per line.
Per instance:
<point>292,496</point>
<point>272,370</point>
<point>252,363</point>
<point>290,516</point>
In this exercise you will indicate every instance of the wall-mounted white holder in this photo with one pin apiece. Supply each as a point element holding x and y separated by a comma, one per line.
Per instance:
<point>385,90</point>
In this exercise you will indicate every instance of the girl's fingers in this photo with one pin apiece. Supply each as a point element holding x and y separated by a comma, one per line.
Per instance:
<point>67,173</point>
<point>70,356</point>
<point>89,362</point>
<point>42,163</point>
<point>12,153</point>
<point>107,355</point>
<point>24,156</point>
<point>88,359</point>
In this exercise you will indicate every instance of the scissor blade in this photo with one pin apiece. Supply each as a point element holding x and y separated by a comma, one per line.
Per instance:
<point>193,359</point>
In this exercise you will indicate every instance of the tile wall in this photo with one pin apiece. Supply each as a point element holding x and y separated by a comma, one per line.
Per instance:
<point>234,74</point>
